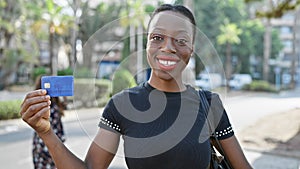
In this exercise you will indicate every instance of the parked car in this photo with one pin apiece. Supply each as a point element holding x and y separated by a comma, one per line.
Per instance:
<point>237,81</point>
<point>208,81</point>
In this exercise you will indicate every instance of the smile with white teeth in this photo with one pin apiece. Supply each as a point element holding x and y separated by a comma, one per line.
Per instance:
<point>167,62</point>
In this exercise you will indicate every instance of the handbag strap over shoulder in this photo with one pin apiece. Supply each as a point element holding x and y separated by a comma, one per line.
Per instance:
<point>205,105</point>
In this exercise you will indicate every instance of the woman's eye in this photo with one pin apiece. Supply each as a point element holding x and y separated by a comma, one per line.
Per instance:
<point>181,42</point>
<point>157,38</point>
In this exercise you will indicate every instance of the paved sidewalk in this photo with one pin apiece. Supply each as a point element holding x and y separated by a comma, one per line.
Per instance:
<point>259,159</point>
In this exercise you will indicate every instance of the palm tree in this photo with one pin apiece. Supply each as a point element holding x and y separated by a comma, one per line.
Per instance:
<point>133,17</point>
<point>271,9</point>
<point>15,39</point>
<point>229,35</point>
<point>56,23</point>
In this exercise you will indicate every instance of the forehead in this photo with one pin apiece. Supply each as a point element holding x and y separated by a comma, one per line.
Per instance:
<point>170,22</point>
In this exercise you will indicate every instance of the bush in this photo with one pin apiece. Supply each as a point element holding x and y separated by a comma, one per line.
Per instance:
<point>38,71</point>
<point>83,73</point>
<point>90,92</point>
<point>67,71</point>
<point>10,109</point>
<point>103,90</point>
<point>260,85</point>
<point>122,79</point>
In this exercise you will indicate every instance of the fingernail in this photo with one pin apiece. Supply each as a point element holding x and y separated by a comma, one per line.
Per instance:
<point>44,91</point>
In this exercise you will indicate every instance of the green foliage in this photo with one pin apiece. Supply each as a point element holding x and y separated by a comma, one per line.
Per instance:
<point>122,79</point>
<point>83,73</point>
<point>67,71</point>
<point>229,34</point>
<point>41,70</point>
<point>276,44</point>
<point>10,109</point>
<point>149,8</point>
<point>90,92</point>
<point>209,17</point>
<point>92,19</point>
<point>38,71</point>
<point>126,47</point>
<point>260,85</point>
<point>275,11</point>
<point>103,91</point>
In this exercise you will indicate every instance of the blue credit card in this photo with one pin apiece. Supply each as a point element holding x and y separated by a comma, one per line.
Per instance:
<point>58,85</point>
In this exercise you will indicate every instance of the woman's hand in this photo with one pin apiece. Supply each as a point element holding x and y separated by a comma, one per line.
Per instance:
<point>35,111</point>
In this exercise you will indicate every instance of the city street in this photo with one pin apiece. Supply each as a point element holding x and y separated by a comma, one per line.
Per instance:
<point>81,126</point>
<point>90,50</point>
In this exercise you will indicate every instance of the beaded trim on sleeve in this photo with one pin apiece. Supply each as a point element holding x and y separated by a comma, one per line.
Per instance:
<point>110,124</point>
<point>224,132</point>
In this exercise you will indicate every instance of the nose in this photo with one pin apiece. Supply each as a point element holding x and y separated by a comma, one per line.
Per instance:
<point>168,45</point>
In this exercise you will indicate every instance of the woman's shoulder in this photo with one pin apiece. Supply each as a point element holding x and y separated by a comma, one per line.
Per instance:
<point>209,94</point>
<point>138,90</point>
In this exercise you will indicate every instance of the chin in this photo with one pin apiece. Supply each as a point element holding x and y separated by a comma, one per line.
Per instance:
<point>166,76</point>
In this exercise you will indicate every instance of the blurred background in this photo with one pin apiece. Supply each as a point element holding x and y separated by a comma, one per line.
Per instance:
<point>257,43</point>
<point>255,37</point>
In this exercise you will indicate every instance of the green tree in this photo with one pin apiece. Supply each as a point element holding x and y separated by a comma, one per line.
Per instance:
<point>245,49</point>
<point>16,46</point>
<point>132,19</point>
<point>209,17</point>
<point>229,35</point>
<point>233,11</point>
<point>94,19</point>
<point>276,10</point>
<point>49,15</point>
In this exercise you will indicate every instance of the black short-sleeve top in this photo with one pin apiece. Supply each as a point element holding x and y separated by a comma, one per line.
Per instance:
<point>163,129</point>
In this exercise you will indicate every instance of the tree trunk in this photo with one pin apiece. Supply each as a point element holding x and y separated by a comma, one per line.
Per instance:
<point>51,53</point>
<point>267,50</point>
<point>73,53</point>
<point>140,77</point>
<point>228,63</point>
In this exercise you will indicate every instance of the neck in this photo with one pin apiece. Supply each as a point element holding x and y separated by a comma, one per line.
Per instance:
<point>167,86</point>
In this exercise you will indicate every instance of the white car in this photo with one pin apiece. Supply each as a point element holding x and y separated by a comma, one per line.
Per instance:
<point>208,81</point>
<point>237,81</point>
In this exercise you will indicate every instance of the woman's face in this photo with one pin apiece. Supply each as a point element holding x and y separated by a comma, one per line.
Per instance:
<point>170,44</point>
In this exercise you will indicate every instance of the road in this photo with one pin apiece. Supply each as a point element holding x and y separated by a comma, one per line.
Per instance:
<point>81,126</point>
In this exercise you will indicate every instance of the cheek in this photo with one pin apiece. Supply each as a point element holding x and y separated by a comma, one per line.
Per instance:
<point>151,50</point>
<point>150,55</point>
<point>185,54</point>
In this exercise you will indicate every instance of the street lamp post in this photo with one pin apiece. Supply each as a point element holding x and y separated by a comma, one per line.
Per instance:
<point>277,71</point>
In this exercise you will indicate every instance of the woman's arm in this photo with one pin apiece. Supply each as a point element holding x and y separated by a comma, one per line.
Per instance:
<point>35,111</point>
<point>100,154</point>
<point>234,153</point>
<point>102,149</point>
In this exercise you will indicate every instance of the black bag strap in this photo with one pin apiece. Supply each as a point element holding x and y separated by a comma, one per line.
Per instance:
<point>205,105</point>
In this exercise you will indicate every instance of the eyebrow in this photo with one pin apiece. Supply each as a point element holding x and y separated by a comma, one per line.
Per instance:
<point>162,29</point>
<point>163,32</point>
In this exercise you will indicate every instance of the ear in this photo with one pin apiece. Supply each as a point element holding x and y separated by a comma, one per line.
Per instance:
<point>192,51</point>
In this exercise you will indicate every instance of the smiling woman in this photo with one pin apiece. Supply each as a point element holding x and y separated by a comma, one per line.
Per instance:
<point>161,121</point>
<point>169,47</point>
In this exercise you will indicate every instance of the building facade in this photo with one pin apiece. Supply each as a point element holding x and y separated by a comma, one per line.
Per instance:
<point>287,64</point>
